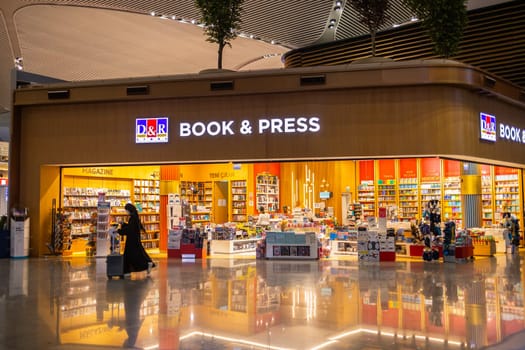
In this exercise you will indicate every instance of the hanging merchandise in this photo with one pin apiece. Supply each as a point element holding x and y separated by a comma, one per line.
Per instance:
<point>431,230</point>
<point>449,231</point>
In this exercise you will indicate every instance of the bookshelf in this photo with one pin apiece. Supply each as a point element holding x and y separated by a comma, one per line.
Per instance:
<point>147,193</point>
<point>366,197</point>
<point>80,203</point>
<point>452,200</point>
<point>238,201</point>
<point>267,192</point>
<point>151,223</point>
<point>199,195</point>
<point>408,199</point>
<point>486,200</point>
<point>507,195</point>
<point>429,191</point>
<point>386,193</point>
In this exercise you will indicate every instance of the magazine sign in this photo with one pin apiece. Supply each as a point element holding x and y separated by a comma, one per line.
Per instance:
<point>151,130</point>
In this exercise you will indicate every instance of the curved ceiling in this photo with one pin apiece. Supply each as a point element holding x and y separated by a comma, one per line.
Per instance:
<point>77,40</point>
<point>102,39</point>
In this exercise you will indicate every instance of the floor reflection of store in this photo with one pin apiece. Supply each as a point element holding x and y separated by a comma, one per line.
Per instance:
<point>289,305</point>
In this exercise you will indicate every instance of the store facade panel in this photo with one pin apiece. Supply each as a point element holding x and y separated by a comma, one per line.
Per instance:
<point>399,111</point>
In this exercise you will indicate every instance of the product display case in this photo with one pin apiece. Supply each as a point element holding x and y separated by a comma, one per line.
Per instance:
<point>408,199</point>
<point>367,198</point>
<point>267,192</point>
<point>238,201</point>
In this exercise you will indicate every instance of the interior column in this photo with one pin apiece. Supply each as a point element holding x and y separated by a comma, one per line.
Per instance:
<point>471,194</point>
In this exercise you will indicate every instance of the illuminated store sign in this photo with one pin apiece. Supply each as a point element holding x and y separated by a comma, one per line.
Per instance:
<point>288,125</point>
<point>151,130</point>
<point>489,129</point>
<point>511,133</point>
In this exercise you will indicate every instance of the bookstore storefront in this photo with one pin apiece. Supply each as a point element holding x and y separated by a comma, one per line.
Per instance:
<point>334,130</point>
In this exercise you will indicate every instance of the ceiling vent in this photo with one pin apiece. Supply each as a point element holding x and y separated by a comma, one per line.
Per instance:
<point>57,94</point>
<point>137,90</point>
<point>221,85</point>
<point>313,80</point>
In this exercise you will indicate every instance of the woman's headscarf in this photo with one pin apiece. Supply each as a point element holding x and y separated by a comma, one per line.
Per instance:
<point>134,215</point>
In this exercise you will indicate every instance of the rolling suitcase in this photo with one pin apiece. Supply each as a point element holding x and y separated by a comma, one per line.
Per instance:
<point>115,265</point>
<point>115,261</point>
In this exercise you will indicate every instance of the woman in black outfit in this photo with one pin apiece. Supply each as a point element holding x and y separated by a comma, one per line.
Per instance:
<point>135,256</point>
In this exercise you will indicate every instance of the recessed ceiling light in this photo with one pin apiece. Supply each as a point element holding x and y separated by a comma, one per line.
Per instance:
<point>152,13</point>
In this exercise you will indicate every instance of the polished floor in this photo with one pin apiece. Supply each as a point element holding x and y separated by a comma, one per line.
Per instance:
<point>219,303</point>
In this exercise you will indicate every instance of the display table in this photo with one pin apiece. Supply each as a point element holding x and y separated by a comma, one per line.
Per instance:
<point>343,247</point>
<point>465,252</point>
<point>291,245</point>
<point>501,239</point>
<point>484,247</point>
<point>413,250</point>
<point>235,246</point>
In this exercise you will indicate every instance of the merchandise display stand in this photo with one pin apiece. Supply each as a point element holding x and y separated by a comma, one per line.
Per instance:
<point>376,243</point>
<point>102,240</point>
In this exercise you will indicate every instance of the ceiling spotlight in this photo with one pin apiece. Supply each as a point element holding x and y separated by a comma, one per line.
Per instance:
<point>272,42</point>
<point>173,17</point>
<point>338,3</point>
<point>331,26</point>
<point>152,13</point>
<point>337,8</point>
<point>413,19</point>
<point>332,21</point>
